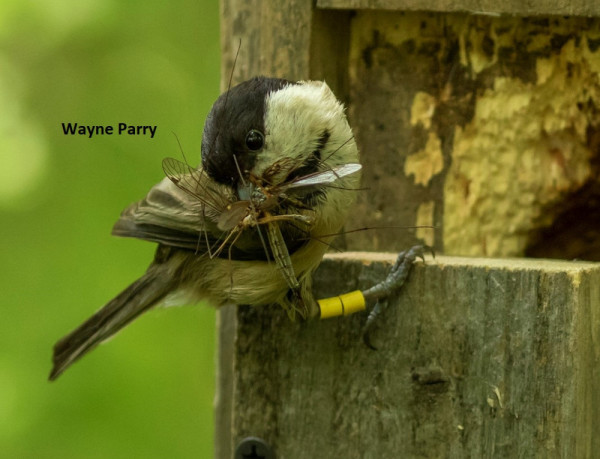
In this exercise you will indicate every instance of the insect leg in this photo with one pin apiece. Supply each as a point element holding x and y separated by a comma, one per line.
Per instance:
<point>287,217</point>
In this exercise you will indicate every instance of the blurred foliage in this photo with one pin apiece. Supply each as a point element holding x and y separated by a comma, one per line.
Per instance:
<point>149,391</point>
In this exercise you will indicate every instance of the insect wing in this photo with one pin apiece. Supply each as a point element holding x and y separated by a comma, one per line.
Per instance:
<point>233,215</point>
<point>326,177</point>
<point>182,175</point>
<point>194,182</point>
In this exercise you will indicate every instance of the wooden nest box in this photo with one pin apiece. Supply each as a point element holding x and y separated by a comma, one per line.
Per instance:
<point>481,119</point>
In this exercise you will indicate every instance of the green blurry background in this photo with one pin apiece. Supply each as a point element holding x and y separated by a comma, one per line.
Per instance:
<point>148,392</point>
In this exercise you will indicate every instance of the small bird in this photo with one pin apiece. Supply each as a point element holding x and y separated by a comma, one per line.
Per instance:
<point>277,179</point>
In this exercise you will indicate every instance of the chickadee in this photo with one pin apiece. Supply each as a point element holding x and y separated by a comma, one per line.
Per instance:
<point>252,223</point>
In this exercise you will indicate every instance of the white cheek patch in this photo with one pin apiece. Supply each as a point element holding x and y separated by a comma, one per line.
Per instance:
<point>296,117</point>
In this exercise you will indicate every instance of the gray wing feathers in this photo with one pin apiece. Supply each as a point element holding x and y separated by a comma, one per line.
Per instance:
<point>167,215</point>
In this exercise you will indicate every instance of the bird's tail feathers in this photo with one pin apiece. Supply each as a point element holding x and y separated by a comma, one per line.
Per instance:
<point>140,296</point>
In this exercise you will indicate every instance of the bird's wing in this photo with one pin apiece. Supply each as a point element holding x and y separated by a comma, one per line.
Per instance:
<point>176,216</point>
<point>186,210</point>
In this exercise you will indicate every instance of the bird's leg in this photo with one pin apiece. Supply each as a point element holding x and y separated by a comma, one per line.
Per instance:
<point>381,292</point>
<point>378,295</point>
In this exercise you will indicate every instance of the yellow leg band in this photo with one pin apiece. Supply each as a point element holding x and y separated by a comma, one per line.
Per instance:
<point>342,305</point>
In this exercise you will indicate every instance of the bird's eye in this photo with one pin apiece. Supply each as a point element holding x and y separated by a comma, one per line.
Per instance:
<point>254,140</point>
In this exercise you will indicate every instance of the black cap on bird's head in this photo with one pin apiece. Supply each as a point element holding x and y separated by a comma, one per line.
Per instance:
<point>234,131</point>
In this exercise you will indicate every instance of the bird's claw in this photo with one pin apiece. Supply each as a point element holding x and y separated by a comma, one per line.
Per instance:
<point>388,287</point>
<point>379,306</point>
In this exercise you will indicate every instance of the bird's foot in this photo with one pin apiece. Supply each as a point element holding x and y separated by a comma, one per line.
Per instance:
<point>381,292</point>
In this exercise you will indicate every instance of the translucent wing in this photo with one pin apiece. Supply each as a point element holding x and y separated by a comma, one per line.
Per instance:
<point>196,183</point>
<point>325,177</point>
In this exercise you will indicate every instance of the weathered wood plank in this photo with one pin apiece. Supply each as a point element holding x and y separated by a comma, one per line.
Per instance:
<point>329,53</point>
<point>274,37</point>
<point>485,127</point>
<point>477,358</point>
<point>484,7</point>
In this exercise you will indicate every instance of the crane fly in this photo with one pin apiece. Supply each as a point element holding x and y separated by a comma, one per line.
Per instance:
<point>259,203</point>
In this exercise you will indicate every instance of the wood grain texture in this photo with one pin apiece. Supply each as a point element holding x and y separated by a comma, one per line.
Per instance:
<point>483,7</point>
<point>477,358</point>
<point>486,128</point>
<point>330,47</point>
<point>273,38</point>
